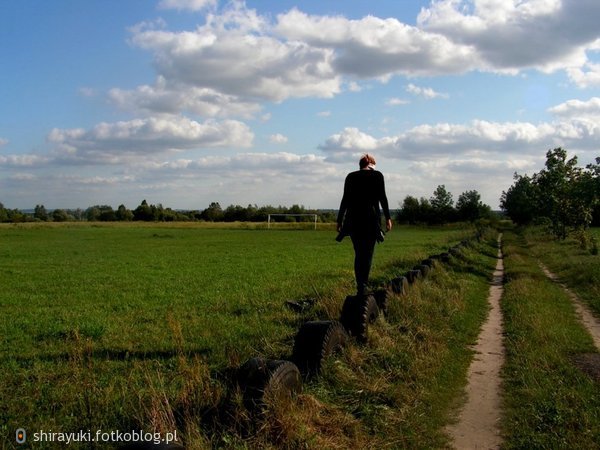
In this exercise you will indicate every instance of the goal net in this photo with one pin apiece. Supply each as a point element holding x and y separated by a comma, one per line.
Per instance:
<point>271,219</point>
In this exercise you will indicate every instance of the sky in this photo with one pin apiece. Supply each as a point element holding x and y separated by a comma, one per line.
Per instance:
<point>272,102</point>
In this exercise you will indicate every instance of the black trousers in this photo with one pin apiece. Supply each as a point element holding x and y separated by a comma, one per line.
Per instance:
<point>364,247</point>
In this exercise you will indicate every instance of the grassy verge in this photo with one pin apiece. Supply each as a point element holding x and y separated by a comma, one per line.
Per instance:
<point>549,403</point>
<point>572,261</point>
<point>130,327</point>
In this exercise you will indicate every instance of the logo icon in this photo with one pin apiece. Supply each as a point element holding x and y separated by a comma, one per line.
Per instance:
<point>21,436</point>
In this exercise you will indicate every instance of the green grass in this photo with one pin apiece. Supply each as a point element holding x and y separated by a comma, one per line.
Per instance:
<point>575,266</point>
<point>549,403</point>
<point>409,378</point>
<point>114,327</point>
<point>404,386</point>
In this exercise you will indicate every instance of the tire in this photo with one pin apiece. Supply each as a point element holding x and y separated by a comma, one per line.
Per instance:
<point>358,311</point>
<point>428,262</point>
<point>424,269</point>
<point>263,379</point>
<point>315,342</point>
<point>399,285</point>
<point>413,275</point>
<point>381,298</point>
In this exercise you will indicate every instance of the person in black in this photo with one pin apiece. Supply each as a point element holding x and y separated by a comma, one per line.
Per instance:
<point>360,217</point>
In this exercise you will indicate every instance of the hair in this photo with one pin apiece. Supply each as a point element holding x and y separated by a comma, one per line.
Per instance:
<point>366,160</point>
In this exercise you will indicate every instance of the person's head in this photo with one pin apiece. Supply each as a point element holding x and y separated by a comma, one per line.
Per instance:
<point>366,162</point>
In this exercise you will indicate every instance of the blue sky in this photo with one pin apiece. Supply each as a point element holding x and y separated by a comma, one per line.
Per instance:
<point>186,102</point>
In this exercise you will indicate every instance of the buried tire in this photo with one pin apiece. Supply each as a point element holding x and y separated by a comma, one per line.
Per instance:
<point>358,311</point>
<point>429,262</point>
<point>399,285</point>
<point>381,298</point>
<point>264,380</point>
<point>316,341</point>
<point>423,268</point>
<point>413,275</point>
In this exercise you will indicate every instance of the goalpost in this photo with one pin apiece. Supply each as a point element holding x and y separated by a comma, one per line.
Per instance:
<point>282,215</point>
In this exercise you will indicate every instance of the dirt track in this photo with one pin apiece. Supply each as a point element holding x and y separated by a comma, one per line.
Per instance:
<point>477,426</point>
<point>478,422</point>
<point>591,323</point>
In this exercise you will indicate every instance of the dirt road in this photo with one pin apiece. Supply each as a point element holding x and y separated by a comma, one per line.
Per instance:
<point>478,423</point>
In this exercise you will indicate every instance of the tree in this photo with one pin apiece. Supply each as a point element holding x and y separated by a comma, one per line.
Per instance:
<point>40,213</point>
<point>3,213</point>
<point>213,213</point>
<point>143,212</point>
<point>563,193</point>
<point>235,214</point>
<point>60,215</point>
<point>102,213</point>
<point>469,207</point>
<point>559,184</point>
<point>123,214</point>
<point>519,202</point>
<point>442,205</point>
<point>591,189</point>
<point>409,211</point>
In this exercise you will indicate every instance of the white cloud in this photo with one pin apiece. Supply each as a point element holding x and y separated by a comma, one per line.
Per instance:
<point>353,86</point>
<point>577,129</point>
<point>163,98</point>
<point>512,35</point>
<point>428,93</point>
<point>190,5</point>
<point>324,114</point>
<point>238,59</point>
<point>578,109</point>
<point>585,76</point>
<point>235,54</point>
<point>108,142</point>
<point>22,176</point>
<point>27,160</point>
<point>350,143</point>
<point>263,178</point>
<point>3,142</point>
<point>397,102</point>
<point>278,139</point>
<point>377,48</point>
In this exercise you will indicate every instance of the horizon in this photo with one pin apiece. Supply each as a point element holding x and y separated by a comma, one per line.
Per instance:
<point>188,102</point>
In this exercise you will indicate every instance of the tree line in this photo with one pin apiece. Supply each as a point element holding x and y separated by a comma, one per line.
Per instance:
<point>157,213</point>
<point>562,195</point>
<point>440,208</point>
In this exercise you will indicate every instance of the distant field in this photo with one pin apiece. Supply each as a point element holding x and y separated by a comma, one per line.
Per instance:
<point>106,309</point>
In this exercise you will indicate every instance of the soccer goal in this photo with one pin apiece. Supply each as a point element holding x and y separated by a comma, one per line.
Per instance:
<point>292,215</point>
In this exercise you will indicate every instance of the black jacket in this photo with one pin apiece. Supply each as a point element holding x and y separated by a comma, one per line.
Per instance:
<point>359,215</point>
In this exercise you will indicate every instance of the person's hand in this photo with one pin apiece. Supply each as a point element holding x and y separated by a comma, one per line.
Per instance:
<point>339,228</point>
<point>388,224</point>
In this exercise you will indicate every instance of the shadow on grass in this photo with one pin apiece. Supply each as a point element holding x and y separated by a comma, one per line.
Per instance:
<point>114,355</point>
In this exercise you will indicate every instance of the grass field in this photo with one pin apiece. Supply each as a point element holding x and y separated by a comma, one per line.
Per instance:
<point>107,327</point>
<point>136,326</point>
<point>549,402</point>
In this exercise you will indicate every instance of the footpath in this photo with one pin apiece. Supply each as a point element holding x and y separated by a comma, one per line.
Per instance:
<point>478,423</point>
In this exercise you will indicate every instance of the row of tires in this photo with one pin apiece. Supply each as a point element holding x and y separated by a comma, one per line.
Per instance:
<point>260,379</point>
<point>263,380</point>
